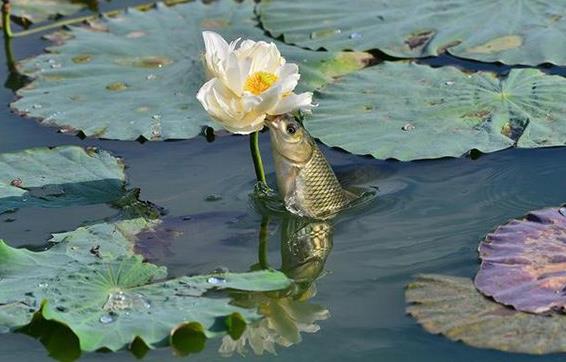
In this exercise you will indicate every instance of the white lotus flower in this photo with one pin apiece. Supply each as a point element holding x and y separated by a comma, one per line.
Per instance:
<point>248,83</point>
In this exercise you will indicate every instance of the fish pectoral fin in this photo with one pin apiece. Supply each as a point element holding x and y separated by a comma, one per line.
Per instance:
<point>350,195</point>
<point>290,185</point>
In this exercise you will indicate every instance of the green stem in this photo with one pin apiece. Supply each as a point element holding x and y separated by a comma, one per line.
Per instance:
<point>256,156</point>
<point>6,24</point>
<point>10,60</point>
<point>262,248</point>
<point>65,22</point>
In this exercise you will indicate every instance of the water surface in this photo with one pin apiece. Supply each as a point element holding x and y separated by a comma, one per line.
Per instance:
<point>429,218</point>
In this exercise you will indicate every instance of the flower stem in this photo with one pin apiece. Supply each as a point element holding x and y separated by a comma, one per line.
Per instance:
<point>256,156</point>
<point>6,25</point>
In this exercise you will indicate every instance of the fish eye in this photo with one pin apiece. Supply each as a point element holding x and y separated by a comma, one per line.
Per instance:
<point>291,129</point>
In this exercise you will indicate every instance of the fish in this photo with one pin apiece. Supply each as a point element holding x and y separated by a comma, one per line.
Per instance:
<point>306,182</point>
<point>305,246</point>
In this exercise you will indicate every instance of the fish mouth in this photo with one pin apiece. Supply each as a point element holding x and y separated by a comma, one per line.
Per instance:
<point>274,122</point>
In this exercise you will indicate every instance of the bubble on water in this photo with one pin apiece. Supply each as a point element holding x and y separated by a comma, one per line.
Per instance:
<point>56,66</point>
<point>43,285</point>
<point>355,35</point>
<point>216,280</point>
<point>449,82</point>
<point>213,197</point>
<point>562,210</point>
<point>107,319</point>
<point>151,77</point>
<point>37,106</point>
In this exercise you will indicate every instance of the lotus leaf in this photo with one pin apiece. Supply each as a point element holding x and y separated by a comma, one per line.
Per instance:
<point>140,77</point>
<point>451,306</point>
<point>33,177</point>
<point>518,31</point>
<point>34,11</point>
<point>409,111</point>
<point>109,301</point>
<point>524,262</point>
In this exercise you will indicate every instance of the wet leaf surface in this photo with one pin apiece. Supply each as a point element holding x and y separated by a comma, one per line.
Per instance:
<point>524,262</point>
<point>407,111</point>
<point>109,297</point>
<point>138,74</point>
<point>514,32</point>
<point>451,306</point>
<point>35,11</point>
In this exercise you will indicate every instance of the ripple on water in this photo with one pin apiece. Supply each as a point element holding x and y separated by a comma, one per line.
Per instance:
<point>444,211</point>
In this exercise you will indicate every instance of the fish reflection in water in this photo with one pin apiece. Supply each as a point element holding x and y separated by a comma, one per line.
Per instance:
<point>305,246</point>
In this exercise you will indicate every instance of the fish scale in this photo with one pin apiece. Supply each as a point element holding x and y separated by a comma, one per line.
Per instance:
<point>319,189</point>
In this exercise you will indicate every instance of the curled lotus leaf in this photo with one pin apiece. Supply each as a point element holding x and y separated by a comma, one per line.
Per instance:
<point>452,306</point>
<point>408,111</point>
<point>33,177</point>
<point>34,11</point>
<point>137,75</point>
<point>519,31</point>
<point>524,262</point>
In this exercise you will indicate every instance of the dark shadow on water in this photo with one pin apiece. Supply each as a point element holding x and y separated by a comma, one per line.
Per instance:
<point>69,194</point>
<point>110,192</point>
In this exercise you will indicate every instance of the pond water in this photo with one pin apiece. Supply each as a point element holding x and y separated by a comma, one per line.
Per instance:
<point>429,218</point>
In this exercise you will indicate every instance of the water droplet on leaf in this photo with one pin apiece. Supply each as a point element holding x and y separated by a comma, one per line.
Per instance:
<point>106,319</point>
<point>408,127</point>
<point>216,280</point>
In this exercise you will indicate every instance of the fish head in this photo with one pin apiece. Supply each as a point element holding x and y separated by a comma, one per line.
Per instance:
<point>289,138</point>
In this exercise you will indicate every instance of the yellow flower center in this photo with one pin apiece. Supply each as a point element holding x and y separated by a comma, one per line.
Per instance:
<point>259,82</point>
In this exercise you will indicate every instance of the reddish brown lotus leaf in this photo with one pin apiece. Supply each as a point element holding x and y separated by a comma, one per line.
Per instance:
<point>524,262</point>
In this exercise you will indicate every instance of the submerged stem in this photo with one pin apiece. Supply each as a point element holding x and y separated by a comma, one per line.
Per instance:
<point>6,25</point>
<point>262,248</point>
<point>256,156</point>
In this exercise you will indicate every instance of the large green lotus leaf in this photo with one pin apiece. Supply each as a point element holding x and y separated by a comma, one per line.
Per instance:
<point>34,177</point>
<point>23,273</point>
<point>515,31</point>
<point>141,76</point>
<point>109,301</point>
<point>451,306</point>
<point>35,11</point>
<point>408,111</point>
<point>113,303</point>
